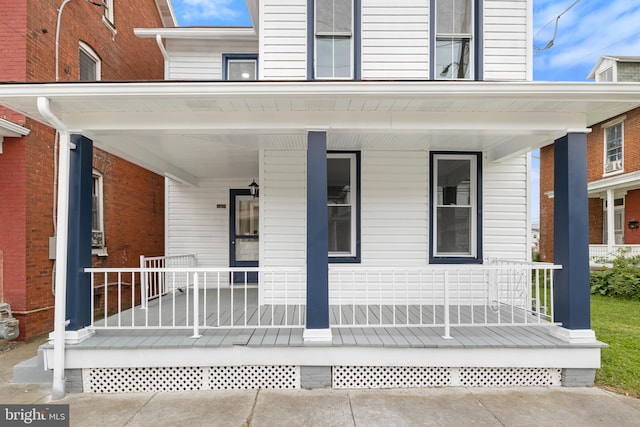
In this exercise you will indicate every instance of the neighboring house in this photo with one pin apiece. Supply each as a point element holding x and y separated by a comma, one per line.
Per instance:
<point>127,219</point>
<point>387,240</point>
<point>613,153</point>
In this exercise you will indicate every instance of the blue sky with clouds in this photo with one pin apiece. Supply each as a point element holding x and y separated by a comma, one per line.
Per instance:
<point>584,32</point>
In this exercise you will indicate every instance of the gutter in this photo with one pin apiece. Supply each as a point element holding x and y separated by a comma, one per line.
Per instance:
<point>60,321</point>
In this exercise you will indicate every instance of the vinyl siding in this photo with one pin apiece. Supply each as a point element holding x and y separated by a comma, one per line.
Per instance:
<point>395,39</point>
<point>505,209</point>
<point>202,59</point>
<point>283,40</point>
<point>195,225</point>
<point>505,40</point>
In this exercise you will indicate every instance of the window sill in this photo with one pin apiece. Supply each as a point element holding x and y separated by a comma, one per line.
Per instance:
<point>613,173</point>
<point>101,252</point>
<point>455,260</point>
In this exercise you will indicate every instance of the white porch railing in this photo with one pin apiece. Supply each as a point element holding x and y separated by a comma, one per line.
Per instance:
<point>597,253</point>
<point>496,293</point>
<point>155,283</point>
<point>206,298</point>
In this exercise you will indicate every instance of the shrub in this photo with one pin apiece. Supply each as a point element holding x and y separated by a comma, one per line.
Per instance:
<point>622,279</point>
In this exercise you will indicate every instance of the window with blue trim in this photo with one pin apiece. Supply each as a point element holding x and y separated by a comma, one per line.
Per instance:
<point>240,67</point>
<point>343,201</point>
<point>454,42</point>
<point>333,39</point>
<point>456,235</point>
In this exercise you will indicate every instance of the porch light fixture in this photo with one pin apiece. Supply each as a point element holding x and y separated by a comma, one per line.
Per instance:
<point>253,188</point>
<point>634,224</point>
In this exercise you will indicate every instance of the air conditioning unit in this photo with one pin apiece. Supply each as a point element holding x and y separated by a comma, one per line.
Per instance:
<point>613,166</point>
<point>97,238</point>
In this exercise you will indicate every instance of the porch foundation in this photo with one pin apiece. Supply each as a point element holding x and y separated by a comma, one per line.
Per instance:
<point>315,377</point>
<point>578,377</point>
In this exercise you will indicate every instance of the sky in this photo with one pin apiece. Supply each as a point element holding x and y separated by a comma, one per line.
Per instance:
<point>585,30</point>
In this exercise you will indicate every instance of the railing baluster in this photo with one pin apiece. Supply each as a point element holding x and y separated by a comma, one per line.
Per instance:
<point>196,303</point>
<point>447,325</point>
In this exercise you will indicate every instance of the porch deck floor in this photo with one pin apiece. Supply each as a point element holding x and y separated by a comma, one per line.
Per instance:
<point>417,336</point>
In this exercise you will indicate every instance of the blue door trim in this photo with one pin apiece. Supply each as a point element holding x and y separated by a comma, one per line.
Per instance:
<point>238,277</point>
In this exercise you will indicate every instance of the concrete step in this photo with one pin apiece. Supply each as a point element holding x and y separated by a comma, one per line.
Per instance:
<point>31,371</point>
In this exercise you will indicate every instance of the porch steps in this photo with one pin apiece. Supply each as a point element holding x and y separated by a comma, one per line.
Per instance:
<point>31,371</point>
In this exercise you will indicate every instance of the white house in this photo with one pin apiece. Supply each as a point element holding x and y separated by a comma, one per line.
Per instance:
<point>388,244</point>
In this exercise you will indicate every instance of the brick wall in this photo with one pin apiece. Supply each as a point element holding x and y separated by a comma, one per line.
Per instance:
<point>595,172</point>
<point>546,204</point>
<point>134,197</point>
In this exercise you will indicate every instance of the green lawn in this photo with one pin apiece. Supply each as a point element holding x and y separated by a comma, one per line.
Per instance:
<point>617,323</point>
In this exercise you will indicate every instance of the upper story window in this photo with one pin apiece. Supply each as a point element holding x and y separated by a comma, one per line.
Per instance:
<point>89,66</point>
<point>456,208</point>
<point>343,205</point>
<point>108,17</point>
<point>454,39</point>
<point>240,67</point>
<point>606,75</point>
<point>333,39</point>
<point>614,148</point>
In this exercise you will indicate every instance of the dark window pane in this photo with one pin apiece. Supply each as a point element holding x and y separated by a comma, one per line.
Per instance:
<point>339,181</point>
<point>452,58</point>
<point>87,67</point>
<point>340,229</point>
<point>454,230</point>
<point>454,177</point>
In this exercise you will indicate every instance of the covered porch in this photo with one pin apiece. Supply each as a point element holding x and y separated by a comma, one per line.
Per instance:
<point>211,138</point>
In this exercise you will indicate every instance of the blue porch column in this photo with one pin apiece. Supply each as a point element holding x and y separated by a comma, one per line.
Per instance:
<point>79,248</point>
<point>317,326</point>
<point>571,232</point>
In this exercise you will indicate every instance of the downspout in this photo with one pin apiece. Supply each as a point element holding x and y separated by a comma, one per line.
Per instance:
<point>58,386</point>
<point>163,50</point>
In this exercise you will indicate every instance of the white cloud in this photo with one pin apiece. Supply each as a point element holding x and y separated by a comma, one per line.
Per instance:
<point>219,10</point>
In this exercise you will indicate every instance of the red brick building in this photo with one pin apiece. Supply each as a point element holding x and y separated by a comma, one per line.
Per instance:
<point>613,153</point>
<point>95,42</point>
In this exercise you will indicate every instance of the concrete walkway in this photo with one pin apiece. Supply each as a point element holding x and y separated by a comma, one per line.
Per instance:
<point>406,407</point>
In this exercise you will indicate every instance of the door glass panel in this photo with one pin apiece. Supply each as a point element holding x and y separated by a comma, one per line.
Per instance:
<point>247,226</point>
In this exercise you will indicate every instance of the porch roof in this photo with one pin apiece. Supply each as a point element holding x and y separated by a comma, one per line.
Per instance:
<point>193,130</point>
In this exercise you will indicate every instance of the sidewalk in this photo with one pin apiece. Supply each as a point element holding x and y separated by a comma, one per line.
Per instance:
<point>400,407</point>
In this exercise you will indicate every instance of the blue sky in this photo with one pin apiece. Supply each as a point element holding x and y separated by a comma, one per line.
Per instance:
<point>586,31</point>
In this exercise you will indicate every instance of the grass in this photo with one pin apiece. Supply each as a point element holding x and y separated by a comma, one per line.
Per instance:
<point>617,323</point>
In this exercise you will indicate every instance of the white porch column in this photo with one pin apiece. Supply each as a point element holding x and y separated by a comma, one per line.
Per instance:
<point>611,229</point>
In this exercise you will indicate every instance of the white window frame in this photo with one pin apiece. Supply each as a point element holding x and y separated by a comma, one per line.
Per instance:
<point>609,70</point>
<point>473,204</point>
<point>97,186</point>
<point>334,35</point>
<point>229,59</point>
<point>353,188</point>
<point>617,168</point>
<point>86,49</point>
<point>455,36</point>
<point>108,16</point>
<point>617,209</point>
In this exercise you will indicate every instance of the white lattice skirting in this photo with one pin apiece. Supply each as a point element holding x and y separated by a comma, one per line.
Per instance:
<point>126,380</point>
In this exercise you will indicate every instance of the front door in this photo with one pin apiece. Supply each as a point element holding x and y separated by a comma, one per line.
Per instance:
<point>244,242</point>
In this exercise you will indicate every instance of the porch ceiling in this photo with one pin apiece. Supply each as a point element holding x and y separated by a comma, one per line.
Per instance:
<point>192,130</point>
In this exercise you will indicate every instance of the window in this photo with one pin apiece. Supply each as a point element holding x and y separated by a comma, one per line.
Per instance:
<point>108,17</point>
<point>618,222</point>
<point>343,202</point>
<point>606,75</point>
<point>453,47</point>
<point>89,64</point>
<point>455,208</point>
<point>97,213</point>
<point>613,148</point>
<point>240,67</point>
<point>333,39</point>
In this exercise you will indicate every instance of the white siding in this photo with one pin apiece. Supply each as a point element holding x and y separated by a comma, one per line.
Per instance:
<point>283,204</point>
<point>283,39</point>
<point>394,212</point>
<point>195,225</point>
<point>202,59</point>
<point>395,39</point>
<point>505,209</point>
<point>505,39</point>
